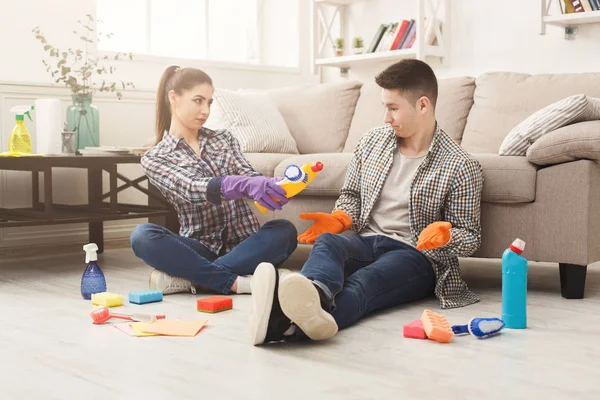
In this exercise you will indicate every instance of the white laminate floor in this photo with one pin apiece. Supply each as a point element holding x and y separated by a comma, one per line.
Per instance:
<point>49,348</point>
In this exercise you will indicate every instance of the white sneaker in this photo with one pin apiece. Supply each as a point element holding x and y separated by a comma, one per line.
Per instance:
<point>300,302</point>
<point>168,284</point>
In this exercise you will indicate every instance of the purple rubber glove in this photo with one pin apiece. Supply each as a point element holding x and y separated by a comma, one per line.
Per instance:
<point>259,188</point>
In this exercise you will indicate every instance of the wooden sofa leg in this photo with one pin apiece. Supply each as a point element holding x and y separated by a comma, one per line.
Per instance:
<point>572,280</point>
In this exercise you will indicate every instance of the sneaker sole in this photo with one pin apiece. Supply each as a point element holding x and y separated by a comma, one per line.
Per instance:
<point>263,288</point>
<point>300,302</point>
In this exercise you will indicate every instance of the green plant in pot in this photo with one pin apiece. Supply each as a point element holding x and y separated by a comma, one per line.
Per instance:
<point>339,47</point>
<point>357,44</point>
<point>80,70</point>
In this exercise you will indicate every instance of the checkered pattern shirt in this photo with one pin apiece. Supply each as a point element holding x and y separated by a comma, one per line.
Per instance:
<point>446,187</point>
<point>184,178</point>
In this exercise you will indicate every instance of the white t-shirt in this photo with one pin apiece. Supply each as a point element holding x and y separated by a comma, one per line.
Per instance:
<point>389,215</point>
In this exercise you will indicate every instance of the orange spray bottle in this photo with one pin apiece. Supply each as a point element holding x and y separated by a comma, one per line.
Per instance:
<point>295,180</point>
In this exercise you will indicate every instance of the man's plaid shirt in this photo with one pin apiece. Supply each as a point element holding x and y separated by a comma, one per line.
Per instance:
<point>188,182</point>
<point>446,187</point>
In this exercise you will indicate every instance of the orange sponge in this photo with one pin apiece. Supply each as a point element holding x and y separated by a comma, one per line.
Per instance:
<point>214,304</point>
<point>436,326</point>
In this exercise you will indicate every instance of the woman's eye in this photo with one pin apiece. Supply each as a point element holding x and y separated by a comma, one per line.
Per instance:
<point>197,101</point>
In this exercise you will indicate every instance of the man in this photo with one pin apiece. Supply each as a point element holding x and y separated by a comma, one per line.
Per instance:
<point>412,202</point>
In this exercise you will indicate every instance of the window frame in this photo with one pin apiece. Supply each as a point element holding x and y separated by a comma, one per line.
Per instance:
<point>149,58</point>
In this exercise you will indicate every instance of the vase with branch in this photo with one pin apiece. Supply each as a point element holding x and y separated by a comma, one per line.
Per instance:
<point>83,72</point>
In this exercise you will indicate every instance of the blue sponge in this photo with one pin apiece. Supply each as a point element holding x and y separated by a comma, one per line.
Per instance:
<point>145,296</point>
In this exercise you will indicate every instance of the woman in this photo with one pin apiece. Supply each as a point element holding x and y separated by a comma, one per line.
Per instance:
<point>206,178</point>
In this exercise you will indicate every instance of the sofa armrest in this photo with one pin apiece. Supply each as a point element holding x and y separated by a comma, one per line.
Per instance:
<point>569,143</point>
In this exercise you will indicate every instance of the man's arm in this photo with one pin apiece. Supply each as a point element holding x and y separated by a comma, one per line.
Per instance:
<point>463,211</point>
<point>349,200</point>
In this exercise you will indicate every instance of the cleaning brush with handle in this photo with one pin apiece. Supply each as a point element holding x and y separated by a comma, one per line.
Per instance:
<point>480,327</point>
<point>102,314</point>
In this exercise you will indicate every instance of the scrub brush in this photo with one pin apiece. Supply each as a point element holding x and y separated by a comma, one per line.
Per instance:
<point>102,314</point>
<point>480,327</point>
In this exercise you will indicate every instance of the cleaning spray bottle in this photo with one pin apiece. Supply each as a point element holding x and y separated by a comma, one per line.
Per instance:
<point>93,280</point>
<point>19,140</point>
<point>514,286</point>
<point>296,179</point>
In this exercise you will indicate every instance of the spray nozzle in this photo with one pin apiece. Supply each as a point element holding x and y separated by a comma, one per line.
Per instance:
<point>22,110</point>
<point>90,250</point>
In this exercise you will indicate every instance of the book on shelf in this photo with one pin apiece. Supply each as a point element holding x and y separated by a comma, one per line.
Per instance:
<point>579,6</point>
<point>397,36</point>
<point>114,150</point>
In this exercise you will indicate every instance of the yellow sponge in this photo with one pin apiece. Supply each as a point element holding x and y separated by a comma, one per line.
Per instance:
<point>107,299</point>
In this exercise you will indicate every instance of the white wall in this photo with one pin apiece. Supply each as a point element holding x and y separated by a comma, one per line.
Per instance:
<point>487,35</point>
<point>128,122</point>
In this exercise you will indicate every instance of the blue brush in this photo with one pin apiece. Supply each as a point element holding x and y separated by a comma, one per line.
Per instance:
<point>480,327</point>
<point>145,296</point>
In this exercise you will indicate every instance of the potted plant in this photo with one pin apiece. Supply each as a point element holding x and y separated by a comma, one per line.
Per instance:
<point>77,69</point>
<point>358,45</point>
<point>339,47</point>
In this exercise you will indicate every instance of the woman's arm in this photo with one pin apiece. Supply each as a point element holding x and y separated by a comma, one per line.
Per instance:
<point>172,178</point>
<point>243,166</point>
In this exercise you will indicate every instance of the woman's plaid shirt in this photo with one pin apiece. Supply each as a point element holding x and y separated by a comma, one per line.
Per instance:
<point>446,187</point>
<point>183,178</point>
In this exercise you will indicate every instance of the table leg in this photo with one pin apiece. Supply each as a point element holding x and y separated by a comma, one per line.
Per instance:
<point>48,193</point>
<point>96,229</point>
<point>35,190</point>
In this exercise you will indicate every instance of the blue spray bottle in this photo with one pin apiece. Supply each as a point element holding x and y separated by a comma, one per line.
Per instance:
<point>93,280</point>
<point>514,286</point>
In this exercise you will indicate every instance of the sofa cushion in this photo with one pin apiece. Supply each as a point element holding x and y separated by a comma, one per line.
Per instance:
<point>253,119</point>
<point>455,98</point>
<point>330,180</point>
<point>569,143</point>
<point>502,100</point>
<point>318,116</point>
<point>564,112</point>
<point>265,163</point>
<point>507,179</point>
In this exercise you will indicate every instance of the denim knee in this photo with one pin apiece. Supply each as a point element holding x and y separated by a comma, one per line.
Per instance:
<point>141,236</point>
<point>286,230</point>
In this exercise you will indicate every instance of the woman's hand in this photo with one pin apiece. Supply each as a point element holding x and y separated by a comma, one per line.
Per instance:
<point>264,190</point>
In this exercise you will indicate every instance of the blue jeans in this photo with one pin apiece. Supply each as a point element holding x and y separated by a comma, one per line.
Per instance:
<point>189,259</point>
<point>362,274</point>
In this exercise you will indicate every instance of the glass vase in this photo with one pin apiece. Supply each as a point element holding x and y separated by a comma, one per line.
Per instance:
<point>83,118</point>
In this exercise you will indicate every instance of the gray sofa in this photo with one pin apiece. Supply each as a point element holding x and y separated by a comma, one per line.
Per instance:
<point>550,199</point>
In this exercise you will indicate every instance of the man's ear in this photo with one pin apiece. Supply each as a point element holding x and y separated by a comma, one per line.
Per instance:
<point>423,104</point>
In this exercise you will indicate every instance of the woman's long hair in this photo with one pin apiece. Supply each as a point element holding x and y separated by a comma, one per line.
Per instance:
<point>176,79</point>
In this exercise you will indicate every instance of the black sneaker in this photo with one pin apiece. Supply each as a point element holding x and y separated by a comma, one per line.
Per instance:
<point>302,304</point>
<point>267,322</point>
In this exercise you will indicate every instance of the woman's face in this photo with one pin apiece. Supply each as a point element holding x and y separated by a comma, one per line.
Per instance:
<point>192,107</point>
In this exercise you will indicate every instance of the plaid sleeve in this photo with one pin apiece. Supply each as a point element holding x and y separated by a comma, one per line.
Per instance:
<point>172,178</point>
<point>349,200</point>
<point>242,164</point>
<point>463,211</point>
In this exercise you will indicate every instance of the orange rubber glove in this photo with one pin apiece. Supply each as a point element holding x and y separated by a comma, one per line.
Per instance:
<point>336,222</point>
<point>434,235</point>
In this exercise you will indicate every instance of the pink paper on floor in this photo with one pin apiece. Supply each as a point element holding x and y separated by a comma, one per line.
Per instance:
<point>169,327</point>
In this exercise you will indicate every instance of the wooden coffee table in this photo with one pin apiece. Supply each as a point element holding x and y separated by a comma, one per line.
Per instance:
<point>97,210</point>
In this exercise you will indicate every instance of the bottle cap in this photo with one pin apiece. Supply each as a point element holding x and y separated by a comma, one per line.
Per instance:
<point>517,246</point>
<point>316,167</point>
<point>90,250</point>
<point>293,173</point>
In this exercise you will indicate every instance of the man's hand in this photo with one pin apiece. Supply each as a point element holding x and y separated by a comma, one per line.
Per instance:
<point>435,235</point>
<point>336,222</point>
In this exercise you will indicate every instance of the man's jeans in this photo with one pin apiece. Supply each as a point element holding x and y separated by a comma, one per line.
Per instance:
<point>363,274</point>
<point>189,259</point>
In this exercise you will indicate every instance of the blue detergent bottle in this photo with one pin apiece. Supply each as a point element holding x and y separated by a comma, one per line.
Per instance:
<point>514,286</point>
<point>93,280</point>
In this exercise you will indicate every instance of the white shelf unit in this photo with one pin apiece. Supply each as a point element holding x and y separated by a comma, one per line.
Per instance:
<point>567,21</point>
<point>425,9</point>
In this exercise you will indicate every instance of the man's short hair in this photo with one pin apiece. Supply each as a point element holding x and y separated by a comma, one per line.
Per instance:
<point>413,78</point>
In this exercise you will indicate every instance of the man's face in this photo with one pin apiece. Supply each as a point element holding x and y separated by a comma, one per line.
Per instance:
<point>400,113</point>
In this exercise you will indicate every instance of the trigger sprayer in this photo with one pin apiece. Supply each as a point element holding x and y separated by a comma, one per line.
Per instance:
<point>93,280</point>
<point>19,140</point>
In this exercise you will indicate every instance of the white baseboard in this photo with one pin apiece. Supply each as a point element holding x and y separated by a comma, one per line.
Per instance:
<point>64,234</point>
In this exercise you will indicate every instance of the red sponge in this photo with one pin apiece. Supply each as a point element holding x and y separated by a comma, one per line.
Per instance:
<point>214,304</point>
<point>415,330</point>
